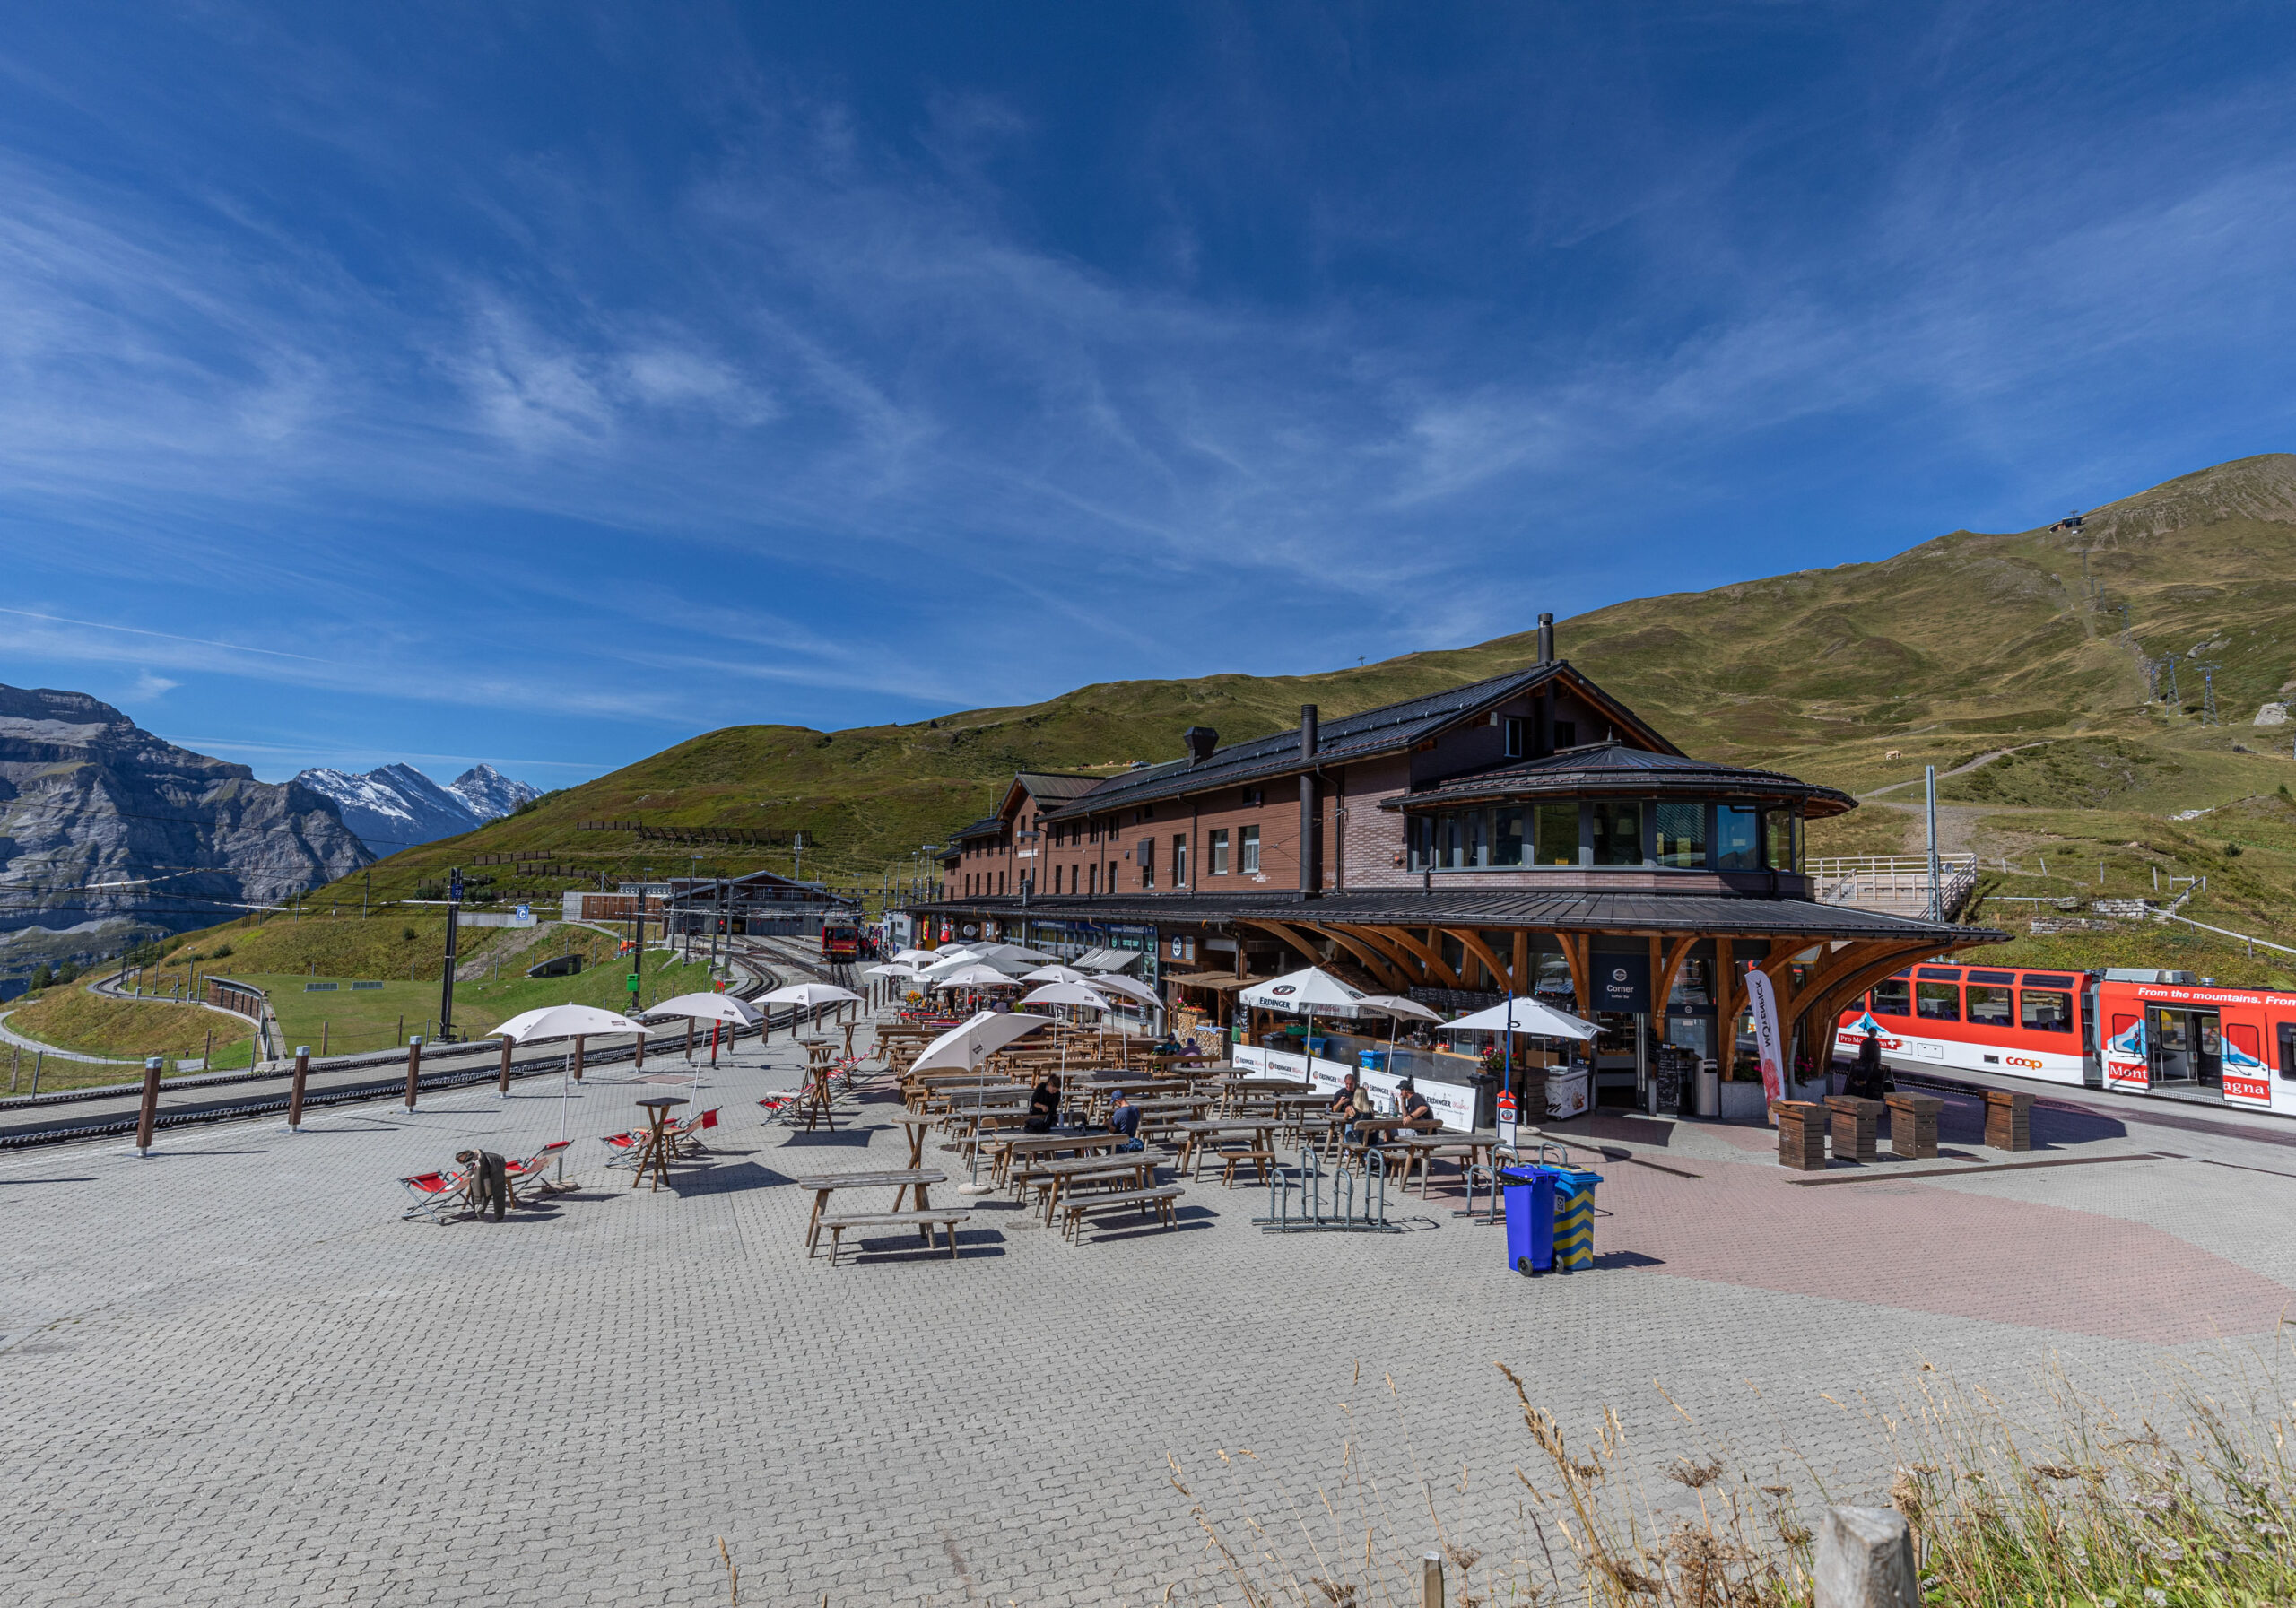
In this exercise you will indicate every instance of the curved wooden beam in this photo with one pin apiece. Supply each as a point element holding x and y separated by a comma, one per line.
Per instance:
<point>1284,934</point>
<point>1472,941</point>
<point>1374,962</point>
<point>1437,967</point>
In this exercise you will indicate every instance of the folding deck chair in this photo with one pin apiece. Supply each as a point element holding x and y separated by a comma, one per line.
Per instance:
<point>529,1177</point>
<point>440,1197</point>
<point>684,1137</point>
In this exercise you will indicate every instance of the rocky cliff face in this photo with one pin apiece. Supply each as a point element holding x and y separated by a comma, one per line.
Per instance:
<point>397,806</point>
<point>108,833</point>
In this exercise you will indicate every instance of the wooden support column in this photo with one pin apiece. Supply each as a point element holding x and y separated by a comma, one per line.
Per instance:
<point>1578,950</point>
<point>1524,983</point>
<point>1725,1007</point>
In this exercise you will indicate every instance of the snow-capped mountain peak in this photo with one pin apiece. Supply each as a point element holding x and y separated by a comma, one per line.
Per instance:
<point>489,794</point>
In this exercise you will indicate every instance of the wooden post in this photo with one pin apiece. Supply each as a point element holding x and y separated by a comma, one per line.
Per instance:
<point>689,1035</point>
<point>150,1111</point>
<point>207,1056</point>
<point>295,1090</point>
<point>1430,1581</point>
<point>640,1045</point>
<point>1864,1559</point>
<point>413,1067</point>
<point>502,1078</point>
<point>322,1038</point>
<point>577,1056</point>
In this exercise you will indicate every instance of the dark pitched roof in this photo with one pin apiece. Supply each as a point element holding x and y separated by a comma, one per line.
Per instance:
<point>1047,787</point>
<point>987,826</point>
<point>1560,910</point>
<point>1395,725</point>
<point>1614,767</point>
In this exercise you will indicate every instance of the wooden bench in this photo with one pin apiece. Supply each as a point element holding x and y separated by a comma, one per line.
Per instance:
<point>1260,1160</point>
<point>1076,1209</point>
<point>922,1221</point>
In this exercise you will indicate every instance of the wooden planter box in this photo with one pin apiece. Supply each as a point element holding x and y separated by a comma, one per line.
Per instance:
<point>1913,1126</point>
<point>2008,1120</point>
<point>1801,1134</point>
<point>1857,1126</point>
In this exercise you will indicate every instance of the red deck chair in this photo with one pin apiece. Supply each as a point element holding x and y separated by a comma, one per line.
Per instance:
<point>683,1138</point>
<point>626,1149</point>
<point>529,1177</point>
<point>440,1197</point>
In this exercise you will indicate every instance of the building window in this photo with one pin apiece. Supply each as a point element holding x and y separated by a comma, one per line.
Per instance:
<point>1554,833</point>
<point>1147,857</point>
<point>1506,824</point>
<point>1111,884</point>
<point>1516,747</point>
<point>1092,878</point>
<point>1253,797</point>
<point>1938,1002</point>
<point>1248,850</point>
<point>1219,851</point>
<point>1566,734</point>
<point>1682,835</point>
<point>1618,831</point>
<point>1779,824</point>
<point>1148,812</point>
<point>1179,860</point>
<point>1737,846</point>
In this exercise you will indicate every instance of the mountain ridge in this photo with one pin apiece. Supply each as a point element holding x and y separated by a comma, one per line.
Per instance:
<point>397,806</point>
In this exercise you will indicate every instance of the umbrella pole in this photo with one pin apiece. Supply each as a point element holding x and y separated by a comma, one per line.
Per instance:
<point>563,1088</point>
<point>972,1184</point>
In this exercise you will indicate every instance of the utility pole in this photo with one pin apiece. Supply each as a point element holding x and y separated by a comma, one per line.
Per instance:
<point>447,986</point>
<point>798,861</point>
<point>1929,784</point>
<point>2208,693</point>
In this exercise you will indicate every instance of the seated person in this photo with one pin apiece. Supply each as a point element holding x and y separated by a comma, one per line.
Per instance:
<point>1167,1046</point>
<point>1413,1104</point>
<point>1349,1102</point>
<point>1124,1117</point>
<point>1044,1106</point>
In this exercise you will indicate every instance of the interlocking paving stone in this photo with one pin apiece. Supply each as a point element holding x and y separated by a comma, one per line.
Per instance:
<point>235,1376</point>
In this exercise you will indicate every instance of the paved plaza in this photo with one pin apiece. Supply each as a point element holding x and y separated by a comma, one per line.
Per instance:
<point>232,1375</point>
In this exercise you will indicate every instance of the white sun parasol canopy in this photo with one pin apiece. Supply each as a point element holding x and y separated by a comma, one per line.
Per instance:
<point>1056,974</point>
<point>973,977</point>
<point>709,1008</point>
<point>899,969</point>
<point>809,995</point>
<point>1308,990</point>
<point>1066,993</point>
<point>565,1021</point>
<point>1396,1004</point>
<point>964,1047</point>
<point>1131,989</point>
<point>915,957</point>
<point>1523,1016</point>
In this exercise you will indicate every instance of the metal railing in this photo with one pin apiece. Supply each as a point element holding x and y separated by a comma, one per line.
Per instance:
<point>1893,883</point>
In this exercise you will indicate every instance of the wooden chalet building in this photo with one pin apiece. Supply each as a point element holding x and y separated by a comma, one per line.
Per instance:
<point>1529,833</point>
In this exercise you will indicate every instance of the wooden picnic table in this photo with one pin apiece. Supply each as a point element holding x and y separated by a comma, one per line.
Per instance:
<point>1422,1149</point>
<point>1198,1138</point>
<point>914,1182</point>
<point>1057,1178</point>
<point>1018,1147</point>
<point>918,1124</point>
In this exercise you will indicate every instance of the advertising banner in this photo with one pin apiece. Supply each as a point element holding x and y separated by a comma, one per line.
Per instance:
<point>1452,1103</point>
<point>1763,1002</point>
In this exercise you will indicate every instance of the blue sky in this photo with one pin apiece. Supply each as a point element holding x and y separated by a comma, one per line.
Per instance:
<point>544,383</point>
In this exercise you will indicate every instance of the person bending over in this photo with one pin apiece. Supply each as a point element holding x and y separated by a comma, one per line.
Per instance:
<point>1044,1106</point>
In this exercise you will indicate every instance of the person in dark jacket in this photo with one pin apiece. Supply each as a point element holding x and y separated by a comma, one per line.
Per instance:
<point>1867,1082</point>
<point>1044,1106</point>
<point>490,1180</point>
<point>1124,1117</point>
<point>1413,1104</point>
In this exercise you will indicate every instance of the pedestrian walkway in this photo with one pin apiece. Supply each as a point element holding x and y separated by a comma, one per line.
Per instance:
<point>236,1376</point>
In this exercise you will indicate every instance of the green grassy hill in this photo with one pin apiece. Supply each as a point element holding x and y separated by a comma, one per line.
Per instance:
<point>1961,647</point>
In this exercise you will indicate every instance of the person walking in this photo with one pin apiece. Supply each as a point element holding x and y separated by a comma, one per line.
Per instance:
<point>489,1179</point>
<point>1869,1066</point>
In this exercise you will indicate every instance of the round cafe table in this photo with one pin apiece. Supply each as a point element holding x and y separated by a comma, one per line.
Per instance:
<point>656,1156</point>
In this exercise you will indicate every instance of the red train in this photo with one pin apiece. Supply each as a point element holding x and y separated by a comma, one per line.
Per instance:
<point>841,936</point>
<point>2113,1030</point>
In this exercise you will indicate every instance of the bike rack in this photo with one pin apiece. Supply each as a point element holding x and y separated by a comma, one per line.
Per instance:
<point>1347,1180</point>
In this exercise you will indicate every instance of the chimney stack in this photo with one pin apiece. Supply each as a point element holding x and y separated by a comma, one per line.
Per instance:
<point>1546,638</point>
<point>1307,731</point>
<point>1201,741</point>
<point>1310,812</point>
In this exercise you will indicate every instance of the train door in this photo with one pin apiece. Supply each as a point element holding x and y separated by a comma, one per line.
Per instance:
<point>2092,1037</point>
<point>2186,1046</point>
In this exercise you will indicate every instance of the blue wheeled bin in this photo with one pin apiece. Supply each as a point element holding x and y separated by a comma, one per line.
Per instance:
<point>1573,1230</point>
<point>1529,1194</point>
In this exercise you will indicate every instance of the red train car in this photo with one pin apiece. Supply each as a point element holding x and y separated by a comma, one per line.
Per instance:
<point>2129,1032</point>
<point>841,936</point>
<point>2027,1023</point>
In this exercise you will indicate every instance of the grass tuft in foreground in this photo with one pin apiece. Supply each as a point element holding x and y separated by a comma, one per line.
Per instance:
<point>2190,1504</point>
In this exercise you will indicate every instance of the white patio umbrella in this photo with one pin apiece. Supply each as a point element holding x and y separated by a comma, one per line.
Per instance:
<point>914,957</point>
<point>1056,974</point>
<point>712,1007</point>
<point>967,1046</point>
<point>1066,993</point>
<point>972,977</point>
<point>1131,988</point>
<point>565,1021</point>
<point>900,968</point>
<point>1523,1016</point>
<point>1018,952</point>
<point>808,997</point>
<point>1396,1007</point>
<point>1310,991</point>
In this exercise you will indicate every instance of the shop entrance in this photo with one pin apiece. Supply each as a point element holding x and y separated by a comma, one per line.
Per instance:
<point>2185,1045</point>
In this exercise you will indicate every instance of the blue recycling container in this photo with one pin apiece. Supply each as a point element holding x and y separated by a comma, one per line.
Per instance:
<point>1371,1060</point>
<point>1573,1226</point>
<point>1529,1194</point>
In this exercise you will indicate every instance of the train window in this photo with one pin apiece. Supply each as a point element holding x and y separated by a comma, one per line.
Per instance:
<point>1938,1002</point>
<point>1893,998</point>
<point>2038,980</point>
<point>2046,1011</point>
<point>1993,977</point>
<point>1943,974</point>
<point>2243,1037</point>
<point>2288,1051</point>
<point>1990,1005</point>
